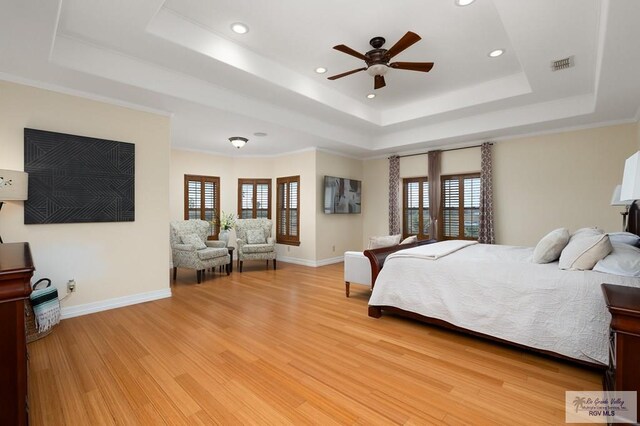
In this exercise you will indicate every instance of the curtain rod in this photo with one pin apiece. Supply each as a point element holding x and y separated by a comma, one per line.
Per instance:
<point>442,150</point>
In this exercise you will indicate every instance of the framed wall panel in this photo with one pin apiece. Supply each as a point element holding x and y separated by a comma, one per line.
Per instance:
<point>77,179</point>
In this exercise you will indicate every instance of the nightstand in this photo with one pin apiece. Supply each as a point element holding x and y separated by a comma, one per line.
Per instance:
<point>623,373</point>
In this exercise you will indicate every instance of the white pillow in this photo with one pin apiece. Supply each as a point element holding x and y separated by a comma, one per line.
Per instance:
<point>550,246</point>
<point>410,240</point>
<point>194,240</point>
<point>624,238</point>
<point>624,260</point>
<point>255,236</point>
<point>384,241</point>
<point>583,252</point>
<point>583,232</point>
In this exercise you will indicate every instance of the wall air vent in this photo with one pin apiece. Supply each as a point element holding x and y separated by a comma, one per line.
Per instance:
<point>562,64</point>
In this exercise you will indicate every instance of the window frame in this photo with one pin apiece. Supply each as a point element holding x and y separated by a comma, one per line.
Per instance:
<point>293,240</point>
<point>255,183</point>
<point>216,208</point>
<point>460,177</point>
<point>405,205</point>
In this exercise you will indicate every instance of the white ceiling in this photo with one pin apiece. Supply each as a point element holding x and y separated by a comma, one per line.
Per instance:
<point>181,57</point>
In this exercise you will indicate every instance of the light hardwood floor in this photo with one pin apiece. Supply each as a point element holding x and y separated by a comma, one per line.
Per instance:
<point>279,347</point>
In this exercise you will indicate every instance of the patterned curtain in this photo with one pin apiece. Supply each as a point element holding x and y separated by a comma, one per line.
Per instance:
<point>486,234</point>
<point>434,192</point>
<point>394,186</point>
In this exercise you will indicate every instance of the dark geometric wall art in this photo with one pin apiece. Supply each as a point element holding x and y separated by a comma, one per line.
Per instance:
<point>75,179</point>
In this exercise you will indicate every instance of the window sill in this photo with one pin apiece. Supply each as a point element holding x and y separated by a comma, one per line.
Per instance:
<point>288,243</point>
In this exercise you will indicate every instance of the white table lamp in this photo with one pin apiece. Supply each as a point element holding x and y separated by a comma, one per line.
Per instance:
<point>13,187</point>
<point>630,189</point>
<point>616,201</point>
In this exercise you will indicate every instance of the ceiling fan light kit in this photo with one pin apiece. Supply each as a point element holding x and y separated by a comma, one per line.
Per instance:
<point>377,59</point>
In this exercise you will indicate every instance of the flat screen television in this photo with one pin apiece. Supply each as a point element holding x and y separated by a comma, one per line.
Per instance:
<point>342,196</point>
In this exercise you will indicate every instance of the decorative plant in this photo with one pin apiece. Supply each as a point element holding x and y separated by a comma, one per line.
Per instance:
<point>227,220</point>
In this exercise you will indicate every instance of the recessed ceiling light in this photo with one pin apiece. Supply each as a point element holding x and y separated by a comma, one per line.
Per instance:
<point>321,70</point>
<point>239,28</point>
<point>464,2</point>
<point>496,53</point>
<point>259,134</point>
<point>371,95</point>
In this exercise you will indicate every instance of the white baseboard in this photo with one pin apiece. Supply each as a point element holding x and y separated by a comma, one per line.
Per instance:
<point>330,261</point>
<point>311,263</point>
<point>117,302</point>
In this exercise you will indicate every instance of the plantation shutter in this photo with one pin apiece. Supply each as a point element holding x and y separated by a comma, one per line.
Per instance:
<point>254,198</point>
<point>202,198</point>
<point>288,210</point>
<point>415,216</point>
<point>460,207</point>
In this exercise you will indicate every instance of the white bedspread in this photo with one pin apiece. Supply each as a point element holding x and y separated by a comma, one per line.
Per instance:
<point>433,251</point>
<point>497,290</point>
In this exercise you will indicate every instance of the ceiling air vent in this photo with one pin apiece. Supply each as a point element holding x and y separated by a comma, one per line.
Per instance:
<point>562,64</point>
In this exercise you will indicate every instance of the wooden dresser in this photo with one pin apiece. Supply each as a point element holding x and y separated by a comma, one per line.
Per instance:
<point>623,373</point>
<point>16,269</point>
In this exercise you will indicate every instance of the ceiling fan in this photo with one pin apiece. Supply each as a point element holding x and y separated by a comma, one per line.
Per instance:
<point>377,59</point>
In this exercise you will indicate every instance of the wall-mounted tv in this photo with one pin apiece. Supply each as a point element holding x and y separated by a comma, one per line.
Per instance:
<point>342,195</point>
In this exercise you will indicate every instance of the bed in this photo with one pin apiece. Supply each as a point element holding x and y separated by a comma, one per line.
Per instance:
<point>496,292</point>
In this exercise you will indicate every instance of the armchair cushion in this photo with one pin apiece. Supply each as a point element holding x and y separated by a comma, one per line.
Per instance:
<point>194,240</point>
<point>212,253</point>
<point>255,236</point>
<point>215,243</point>
<point>257,248</point>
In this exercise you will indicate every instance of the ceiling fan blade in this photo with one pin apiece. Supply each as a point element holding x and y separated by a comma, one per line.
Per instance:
<point>344,74</point>
<point>412,66</point>
<point>349,51</point>
<point>378,82</point>
<point>407,40</point>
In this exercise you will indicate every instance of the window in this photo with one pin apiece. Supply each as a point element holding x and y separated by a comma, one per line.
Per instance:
<point>460,207</point>
<point>254,198</point>
<point>415,207</point>
<point>202,198</point>
<point>288,211</point>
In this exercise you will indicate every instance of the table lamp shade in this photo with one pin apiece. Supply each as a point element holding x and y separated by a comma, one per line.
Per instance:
<point>13,185</point>
<point>615,198</point>
<point>631,179</point>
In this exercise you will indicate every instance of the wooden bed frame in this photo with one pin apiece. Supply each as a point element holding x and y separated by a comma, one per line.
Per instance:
<point>377,257</point>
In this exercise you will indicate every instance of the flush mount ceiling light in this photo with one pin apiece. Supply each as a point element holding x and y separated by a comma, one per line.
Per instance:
<point>371,95</point>
<point>260,134</point>
<point>239,28</point>
<point>496,53</point>
<point>321,70</point>
<point>238,141</point>
<point>464,2</point>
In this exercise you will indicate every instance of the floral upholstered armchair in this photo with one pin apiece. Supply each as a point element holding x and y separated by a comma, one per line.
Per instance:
<point>255,241</point>
<point>190,248</point>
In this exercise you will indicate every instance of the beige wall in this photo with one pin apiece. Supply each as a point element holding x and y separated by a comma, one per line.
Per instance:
<point>230,169</point>
<point>559,180</point>
<point>375,199</point>
<point>107,260</point>
<point>336,233</point>
<point>304,165</point>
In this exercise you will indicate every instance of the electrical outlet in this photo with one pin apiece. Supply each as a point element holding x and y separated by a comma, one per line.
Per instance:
<point>288,248</point>
<point>71,286</point>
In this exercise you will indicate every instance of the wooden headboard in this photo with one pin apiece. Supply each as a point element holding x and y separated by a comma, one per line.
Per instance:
<point>634,218</point>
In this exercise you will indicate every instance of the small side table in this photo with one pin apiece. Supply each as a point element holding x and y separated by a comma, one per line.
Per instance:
<point>230,265</point>
<point>228,268</point>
